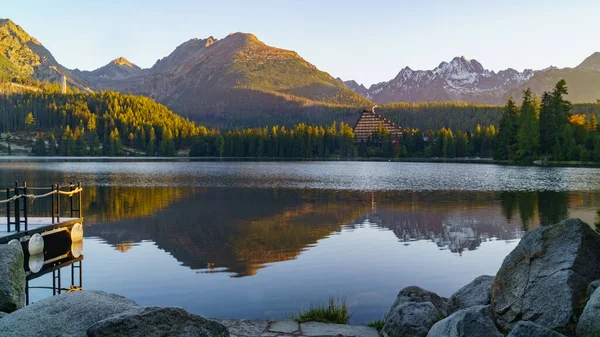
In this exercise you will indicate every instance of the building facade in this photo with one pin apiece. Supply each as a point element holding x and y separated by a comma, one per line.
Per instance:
<point>369,123</point>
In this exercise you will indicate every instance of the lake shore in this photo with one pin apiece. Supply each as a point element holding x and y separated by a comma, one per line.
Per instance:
<point>464,160</point>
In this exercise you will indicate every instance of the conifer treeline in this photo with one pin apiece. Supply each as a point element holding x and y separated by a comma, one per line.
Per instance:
<point>310,141</point>
<point>547,128</point>
<point>97,123</point>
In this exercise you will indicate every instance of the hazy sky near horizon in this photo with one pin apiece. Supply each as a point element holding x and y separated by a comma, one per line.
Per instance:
<point>369,41</point>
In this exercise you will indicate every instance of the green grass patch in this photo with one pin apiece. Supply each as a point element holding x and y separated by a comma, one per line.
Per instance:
<point>377,324</point>
<point>334,311</point>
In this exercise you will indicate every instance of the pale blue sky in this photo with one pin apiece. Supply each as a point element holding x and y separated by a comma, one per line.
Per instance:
<point>369,41</point>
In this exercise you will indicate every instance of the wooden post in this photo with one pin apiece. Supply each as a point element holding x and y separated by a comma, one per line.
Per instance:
<point>25,205</point>
<point>80,200</point>
<point>57,203</point>
<point>52,204</point>
<point>8,211</point>
<point>71,199</point>
<point>17,209</point>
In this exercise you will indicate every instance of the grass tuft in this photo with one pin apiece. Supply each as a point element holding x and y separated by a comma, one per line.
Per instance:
<point>377,324</point>
<point>334,311</point>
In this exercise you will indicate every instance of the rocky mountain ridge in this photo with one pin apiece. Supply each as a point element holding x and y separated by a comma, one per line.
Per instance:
<point>465,80</point>
<point>460,79</point>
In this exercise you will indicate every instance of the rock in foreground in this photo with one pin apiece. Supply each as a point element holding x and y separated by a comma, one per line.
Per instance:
<point>65,315</point>
<point>546,275</point>
<point>477,292</point>
<point>12,281</point>
<point>413,313</point>
<point>471,322</point>
<point>157,322</point>
<point>529,329</point>
<point>589,322</point>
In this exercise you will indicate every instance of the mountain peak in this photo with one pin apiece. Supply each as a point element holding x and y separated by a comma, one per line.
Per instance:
<point>121,61</point>
<point>592,62</point>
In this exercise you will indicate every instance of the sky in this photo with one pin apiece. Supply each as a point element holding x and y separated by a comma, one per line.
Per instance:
<point>367,40</point>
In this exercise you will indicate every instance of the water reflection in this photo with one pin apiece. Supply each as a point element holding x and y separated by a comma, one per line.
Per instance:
<point>240,230</point>
<point>263,240</point>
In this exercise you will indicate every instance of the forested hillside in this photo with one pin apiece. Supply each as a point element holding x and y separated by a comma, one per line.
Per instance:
<point>96,124</point>
<point>548,127</point>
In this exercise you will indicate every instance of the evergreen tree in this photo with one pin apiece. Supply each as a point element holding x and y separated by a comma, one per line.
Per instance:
<point>39,147</point>
<point>151,147</point>
<point>506,141</point>
<point>528,127</point>
<point>29,121</point>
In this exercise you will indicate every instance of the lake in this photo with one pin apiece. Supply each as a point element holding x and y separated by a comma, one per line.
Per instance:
<point>266,239</point>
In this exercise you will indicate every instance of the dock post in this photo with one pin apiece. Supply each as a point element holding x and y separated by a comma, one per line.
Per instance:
<point>57,203</point>
<point>80,206</point>
<point>52,204</point>
<point>25,205</point>
<point>71,199</point>
<point>17,208</point>
<point>8,211</point>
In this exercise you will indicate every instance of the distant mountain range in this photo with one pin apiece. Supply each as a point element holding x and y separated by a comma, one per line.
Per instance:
<point>464,80</point>
<point>239,80</point>
<point>209,80</point>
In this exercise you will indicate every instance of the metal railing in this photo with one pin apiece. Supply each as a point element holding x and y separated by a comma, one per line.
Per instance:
<point>18,196</point>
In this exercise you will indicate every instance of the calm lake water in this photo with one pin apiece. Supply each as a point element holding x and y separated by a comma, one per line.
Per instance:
<point>264,240</point>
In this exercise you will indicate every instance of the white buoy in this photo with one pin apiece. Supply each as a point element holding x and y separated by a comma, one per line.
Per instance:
<point>36,262</point>
<point>14,242</point>
<point>77,248</point>
<point>36,244</point>
<point>77,232</point>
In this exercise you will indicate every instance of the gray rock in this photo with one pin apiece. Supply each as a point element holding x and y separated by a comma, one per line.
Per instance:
<point>472,322</point>
<point>157,322</point>
<point>64,315</point>
<point>411,320</point>
<point>589,321</point>
<point>592,287</point>
<point>529,329</point>
<point>288,326</point>
<point>413,313</point>
<point>477,292</point>
<point>418,295</point>
<point>245,327</point>
<point>2,314</point>
<point>12,278</point>
<point>546,275</point>
<point>327,329</point>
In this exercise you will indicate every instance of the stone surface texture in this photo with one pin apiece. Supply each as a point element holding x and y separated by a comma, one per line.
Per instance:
<point>157,322</point>
<point>12,279</point>
<point>589,321</point>
<point>472,322</point>
<point>545,277</point>
<point>592,287</point>
<point>413,313</point>
<point>65,315</point>
<point>529,329</point>
<point>478,292</point>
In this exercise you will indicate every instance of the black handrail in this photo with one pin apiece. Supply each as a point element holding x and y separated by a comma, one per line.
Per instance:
<point>21,212</point>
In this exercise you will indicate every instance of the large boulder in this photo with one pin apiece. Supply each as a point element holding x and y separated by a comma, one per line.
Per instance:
<point>413,313</point>
<point>529,329</point>
<point>157,322</point>
<point>592,287</point>
<point>544,278</point>
<point>12,278</point>
<point>477,292</point>
<point>65,315</point>
<point>472,322</point>
<point>589,321</point>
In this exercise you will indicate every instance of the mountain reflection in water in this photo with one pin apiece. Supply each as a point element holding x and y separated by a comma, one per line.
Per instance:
<point>241,230</point>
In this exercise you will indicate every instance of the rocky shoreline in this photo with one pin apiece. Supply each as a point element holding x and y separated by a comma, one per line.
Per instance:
<point>547,286</point>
